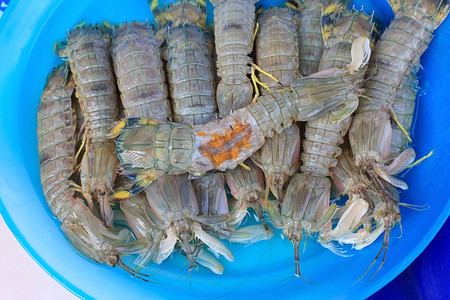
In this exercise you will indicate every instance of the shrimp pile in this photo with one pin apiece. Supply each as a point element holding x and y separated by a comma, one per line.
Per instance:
<point>140,121</point>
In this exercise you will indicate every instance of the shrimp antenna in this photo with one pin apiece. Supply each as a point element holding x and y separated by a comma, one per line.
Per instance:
<point>286,280</point>
<point>383,247</point>
<point>188,271</point>
<point>268,184</point>
<point>416,207</point>
<point>189,253</point>
<point>304,243</point>
<point>379,186</point>
<point>131,271</point>
<point>401,229</point>
<point>297,261</point>
<point>250,274</point>
<point>197,250</point>
<point>260,215</point>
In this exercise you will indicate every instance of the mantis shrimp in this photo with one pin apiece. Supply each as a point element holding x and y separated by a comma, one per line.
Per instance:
<point>306,206</point>
<point>367,206</point>
<point>138,67</point>
<point>234,26</point>
<point>350,182</point>
<point>189,71</point>
<point>277,53</point>
<point>56,145</point>
<point>192,91</point>
<point>395,55</point>
<point>89,60</point>
<point>364,206</point>
<point>234,32</point>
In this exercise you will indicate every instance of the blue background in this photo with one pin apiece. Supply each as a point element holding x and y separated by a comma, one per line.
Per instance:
<point>26,39</point>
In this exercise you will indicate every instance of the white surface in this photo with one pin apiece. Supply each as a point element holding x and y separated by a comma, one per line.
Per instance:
<point>20,277</point>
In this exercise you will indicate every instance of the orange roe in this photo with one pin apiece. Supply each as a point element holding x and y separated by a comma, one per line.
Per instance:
<point>228,146</point>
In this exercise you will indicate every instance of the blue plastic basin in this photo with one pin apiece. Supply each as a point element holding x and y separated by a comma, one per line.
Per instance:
<point>28,31</point>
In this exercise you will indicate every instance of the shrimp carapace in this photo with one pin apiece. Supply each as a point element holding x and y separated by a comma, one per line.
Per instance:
<point>234,26</point>
<point>139,71</point>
